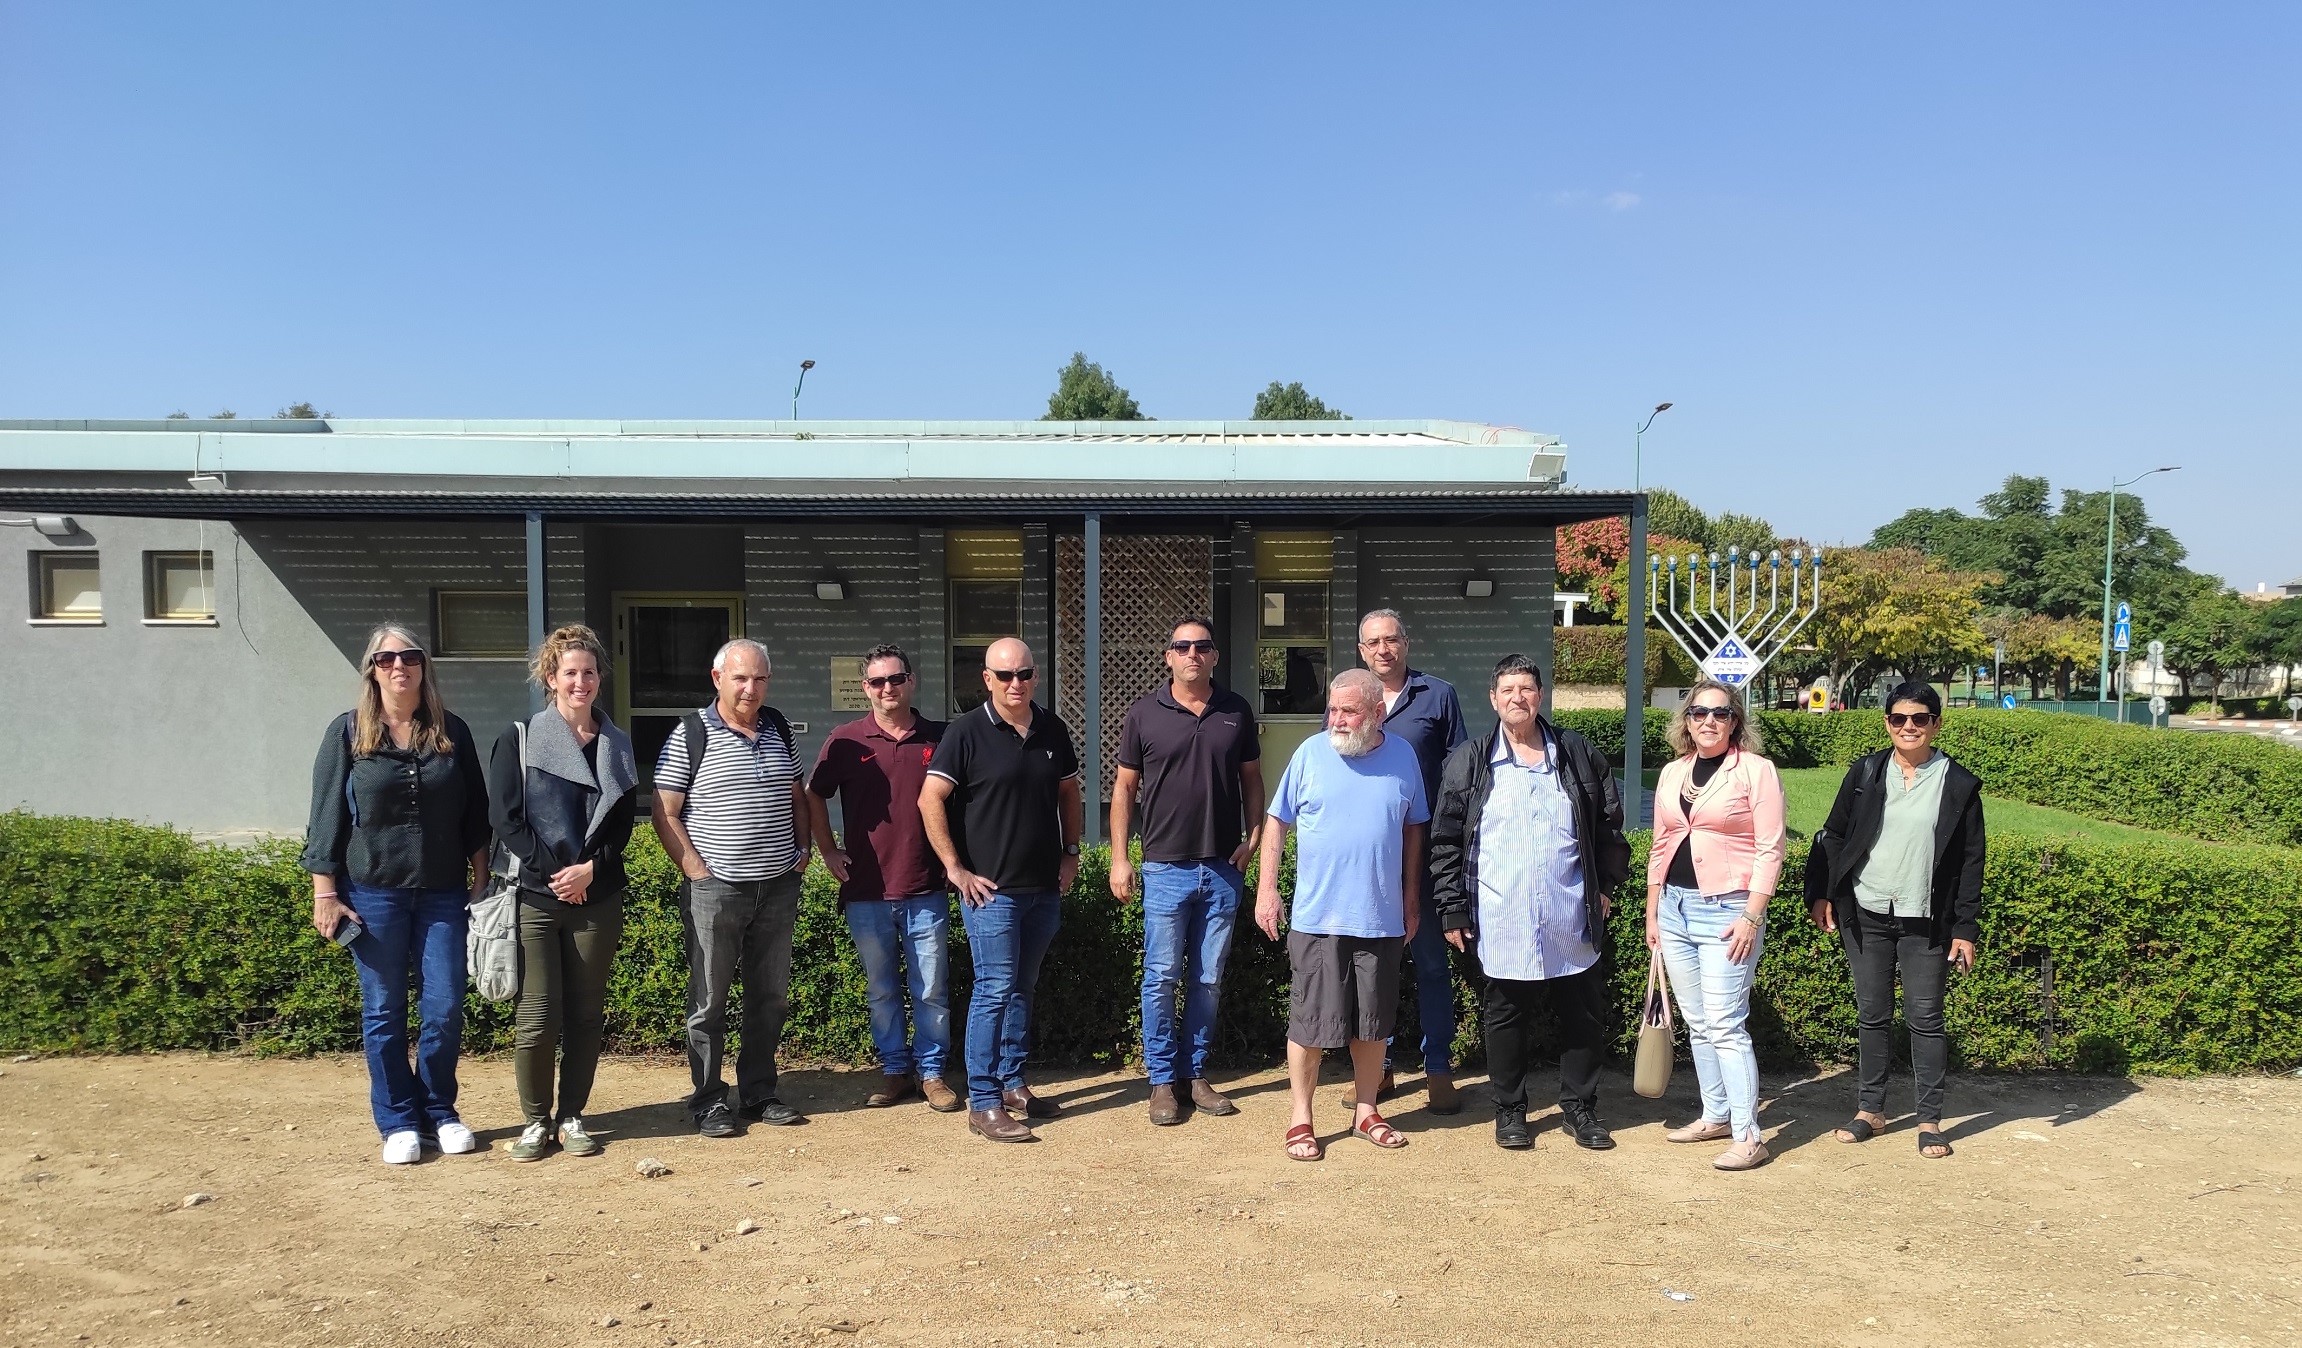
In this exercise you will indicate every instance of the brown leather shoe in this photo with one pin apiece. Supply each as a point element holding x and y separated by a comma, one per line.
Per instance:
<point>1445,1099</point>
<point>1209,1100</point>
<point>1166,1110</point>
<point>997,1125</point>
<point>1383,1091</point>
<point>940,1097</point>
<point>898,1088</point>
<point>1030,1106</point>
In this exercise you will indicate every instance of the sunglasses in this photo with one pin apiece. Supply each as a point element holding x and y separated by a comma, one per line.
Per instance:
<point>1710,713</point>
<point>1188,647</point>
<point>887,681</point>
<point>1026,674</point>
<point>412,658</point>
<point>1919,719</point>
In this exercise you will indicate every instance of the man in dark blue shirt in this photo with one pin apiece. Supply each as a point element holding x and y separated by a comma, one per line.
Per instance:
<point>1423,711</point>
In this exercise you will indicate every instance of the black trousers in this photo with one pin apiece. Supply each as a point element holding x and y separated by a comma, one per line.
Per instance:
<point>1578,1002</point>
<point>1877,948</point>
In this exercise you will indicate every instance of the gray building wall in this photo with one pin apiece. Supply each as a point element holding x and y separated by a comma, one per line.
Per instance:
<point>212,727</point>
<point>878,565</point>
<point>1421,573</point>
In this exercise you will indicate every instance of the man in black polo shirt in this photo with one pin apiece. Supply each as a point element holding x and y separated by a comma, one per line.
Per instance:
<point>1190,749</point>
<point>1001,808</point>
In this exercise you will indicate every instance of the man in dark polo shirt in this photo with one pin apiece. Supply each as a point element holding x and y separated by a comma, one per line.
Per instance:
<point>891,886</point>
<point>1001,806</point>
<point>1189,748</point>
<point>1422,710</point>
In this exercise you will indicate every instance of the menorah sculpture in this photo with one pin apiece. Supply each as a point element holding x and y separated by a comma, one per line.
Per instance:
<point>1733,641</point>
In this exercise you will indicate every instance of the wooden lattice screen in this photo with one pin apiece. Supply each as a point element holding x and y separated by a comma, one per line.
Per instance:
<point>1149,581</point>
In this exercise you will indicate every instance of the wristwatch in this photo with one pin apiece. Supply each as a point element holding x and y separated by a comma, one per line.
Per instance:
<point>1071,849</point>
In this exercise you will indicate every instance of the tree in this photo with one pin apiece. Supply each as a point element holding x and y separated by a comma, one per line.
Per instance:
<point>1748,532</point>
<point>226,415</point>
<point>1673,514</point>
<point>179,415</point>
<point>1894,608</point>
<point>299,412</point>
<point>2039,648</point>
<point>2215,635</point>
<point>1084,391</point>
<point>1290,402</point>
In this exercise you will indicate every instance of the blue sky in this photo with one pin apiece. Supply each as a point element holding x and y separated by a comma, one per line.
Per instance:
<point>1880,256</point>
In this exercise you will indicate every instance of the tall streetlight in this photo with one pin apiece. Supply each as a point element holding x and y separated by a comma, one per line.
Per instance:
<point>1638,438</point>
<point>2109,551</point>
<point>804,367</point>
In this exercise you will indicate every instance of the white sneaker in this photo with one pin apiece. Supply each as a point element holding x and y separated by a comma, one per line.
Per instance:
<point>403,1148</point>
<point>455,1139</point>
<point>533,1142</point>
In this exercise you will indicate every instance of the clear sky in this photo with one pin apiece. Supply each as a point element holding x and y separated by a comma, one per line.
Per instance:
<point>1879,255</point>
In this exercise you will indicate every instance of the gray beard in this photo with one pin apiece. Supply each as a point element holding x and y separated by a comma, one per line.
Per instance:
<point>1356,743</point>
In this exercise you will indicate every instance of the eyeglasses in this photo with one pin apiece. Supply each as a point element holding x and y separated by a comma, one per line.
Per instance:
<point>887,681</point>
<point>1918,720</point>
<point>412,658</point>
<point>1383,642</point>
<point>1026,674</point>
<point>1710,713</point>
<point>1188,647</point>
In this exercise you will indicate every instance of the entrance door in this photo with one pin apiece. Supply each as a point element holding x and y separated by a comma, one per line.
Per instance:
<point>663,649</point>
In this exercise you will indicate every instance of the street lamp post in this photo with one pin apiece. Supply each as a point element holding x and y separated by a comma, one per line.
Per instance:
<point>2109,552</point>
<point>1638,439</point>
<point>804,367</point>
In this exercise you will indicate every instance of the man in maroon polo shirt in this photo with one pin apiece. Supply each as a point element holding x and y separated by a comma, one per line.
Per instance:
<point>891,885</point>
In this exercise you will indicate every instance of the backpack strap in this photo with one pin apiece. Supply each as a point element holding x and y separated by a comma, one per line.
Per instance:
<point>782,730</point>
<point>697,738</point>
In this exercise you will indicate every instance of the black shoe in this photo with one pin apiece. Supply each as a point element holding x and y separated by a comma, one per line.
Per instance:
<point>774,1113</point>
<point>1511,1131</point>
<point>1588,1132</point>
<point>719,1121</point>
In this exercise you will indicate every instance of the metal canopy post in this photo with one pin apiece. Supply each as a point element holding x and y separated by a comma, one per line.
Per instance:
<point>535,594</point>
<point>1091,660</point>
<point>1635,676</point>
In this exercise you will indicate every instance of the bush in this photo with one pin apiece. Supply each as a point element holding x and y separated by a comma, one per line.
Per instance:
<point>1595,655</point>
<point>2165,957</point>
<point>2224,788</point>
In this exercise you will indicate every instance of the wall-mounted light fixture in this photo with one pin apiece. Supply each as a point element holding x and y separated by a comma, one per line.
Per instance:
<point>1478,587</point>
<point>830,591</point>
<point>53,526</point>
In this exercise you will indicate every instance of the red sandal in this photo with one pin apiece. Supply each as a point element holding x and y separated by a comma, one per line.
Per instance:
<point>1376,1130</point>
<point>1299,1135</point>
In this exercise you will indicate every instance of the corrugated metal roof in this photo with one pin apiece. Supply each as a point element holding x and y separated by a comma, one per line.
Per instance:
<point>1115,432</point>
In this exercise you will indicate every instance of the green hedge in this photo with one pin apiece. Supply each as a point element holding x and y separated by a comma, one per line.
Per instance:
<point>2221,787</point>
<point>2165,957</point>
<point>1595,655</point>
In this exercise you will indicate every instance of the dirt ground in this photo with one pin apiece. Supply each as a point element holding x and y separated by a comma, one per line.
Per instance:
<point>2075,1212</point>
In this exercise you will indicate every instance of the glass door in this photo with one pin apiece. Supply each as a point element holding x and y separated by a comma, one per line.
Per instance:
<point>663,649</point>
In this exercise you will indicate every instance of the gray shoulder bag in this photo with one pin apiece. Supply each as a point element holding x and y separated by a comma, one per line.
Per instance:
<point>492,945</point>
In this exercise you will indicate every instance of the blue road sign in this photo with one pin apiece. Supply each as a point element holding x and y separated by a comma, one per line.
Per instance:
<point>2121,634</point>
<point>2007,702</point>
<point>2125,614</point>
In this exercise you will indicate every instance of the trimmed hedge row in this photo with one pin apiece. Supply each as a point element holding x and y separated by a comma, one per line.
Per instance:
<point>2165,957</point>
<point>2222,787</point>
<point>1595,654</point>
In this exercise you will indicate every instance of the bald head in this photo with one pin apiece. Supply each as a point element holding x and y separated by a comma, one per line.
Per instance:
<point>1009,677</point>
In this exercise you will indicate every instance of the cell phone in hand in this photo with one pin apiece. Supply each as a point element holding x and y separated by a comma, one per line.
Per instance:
<point>347,931</point>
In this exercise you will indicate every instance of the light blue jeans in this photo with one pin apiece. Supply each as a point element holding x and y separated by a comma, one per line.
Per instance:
<point>1189,909</point>
<point>902,944</point>
<point>1714,999</point>
<point>1007,938</point>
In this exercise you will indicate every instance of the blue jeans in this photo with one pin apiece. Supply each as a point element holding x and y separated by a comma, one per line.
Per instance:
<point>1714,999</point>
<point>1008,938</point>
<point>1189,909</point>
<point>902,943</point>
<point>1434,991</point>
<point>419,933</point>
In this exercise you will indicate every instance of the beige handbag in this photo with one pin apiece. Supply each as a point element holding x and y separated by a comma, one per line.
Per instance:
<point>1651,1070</point>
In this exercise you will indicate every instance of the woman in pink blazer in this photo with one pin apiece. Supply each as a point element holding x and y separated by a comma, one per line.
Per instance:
<point>1716,857</point>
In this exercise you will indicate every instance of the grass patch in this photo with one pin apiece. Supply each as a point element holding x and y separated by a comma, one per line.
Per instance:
<point>1808,793</point>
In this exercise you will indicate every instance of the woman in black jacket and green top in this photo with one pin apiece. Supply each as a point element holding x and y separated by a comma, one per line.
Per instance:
<point>1897,873</point>
<point>564,822</point>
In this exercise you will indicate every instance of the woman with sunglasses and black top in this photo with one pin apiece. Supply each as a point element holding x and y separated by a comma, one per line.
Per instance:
<point>398,848</point>
<point>1897,873</point>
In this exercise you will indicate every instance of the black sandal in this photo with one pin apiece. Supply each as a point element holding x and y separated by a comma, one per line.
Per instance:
<point>1927,1139</point>
<point>1857,1130</point>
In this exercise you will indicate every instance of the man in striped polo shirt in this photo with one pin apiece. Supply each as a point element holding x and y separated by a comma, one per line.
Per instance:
<point>729,811</point>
